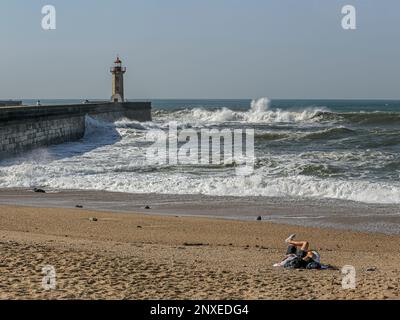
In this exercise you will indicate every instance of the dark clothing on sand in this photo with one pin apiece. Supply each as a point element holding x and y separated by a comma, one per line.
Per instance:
<point>299,262</point>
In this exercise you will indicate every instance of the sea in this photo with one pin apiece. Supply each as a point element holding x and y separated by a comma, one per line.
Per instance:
<point>304,149</point>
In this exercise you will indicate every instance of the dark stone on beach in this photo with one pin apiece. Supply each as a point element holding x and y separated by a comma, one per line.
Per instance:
<point>259,218</point>
<point>139,227</point>
<point>79,206</point>
<point>93,219</point>
<point>39,190</point>
<point>147,207</point>
<point>187,244</point>
<point>371,269</point>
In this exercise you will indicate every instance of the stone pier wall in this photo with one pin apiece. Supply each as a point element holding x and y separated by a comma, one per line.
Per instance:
<point>24,128</point>
<point>19,137</point>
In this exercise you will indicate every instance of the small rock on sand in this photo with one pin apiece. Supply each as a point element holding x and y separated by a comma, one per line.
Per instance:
<point>259,218</point>
<point>93,219</point>
<point>194,244</point>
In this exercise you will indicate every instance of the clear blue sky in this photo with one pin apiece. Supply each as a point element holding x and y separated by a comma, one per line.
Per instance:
<point>201,49</point>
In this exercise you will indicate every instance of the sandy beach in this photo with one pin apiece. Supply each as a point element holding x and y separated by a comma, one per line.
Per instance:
<point>137,256</point>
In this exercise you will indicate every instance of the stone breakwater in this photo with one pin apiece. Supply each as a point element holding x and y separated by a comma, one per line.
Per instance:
<point>23,128</point>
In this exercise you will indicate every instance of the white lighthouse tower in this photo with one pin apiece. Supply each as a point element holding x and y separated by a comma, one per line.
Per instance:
<point>117,81</point>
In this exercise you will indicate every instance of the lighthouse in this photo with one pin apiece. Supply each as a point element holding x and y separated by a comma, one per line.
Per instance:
<point>117,81</point>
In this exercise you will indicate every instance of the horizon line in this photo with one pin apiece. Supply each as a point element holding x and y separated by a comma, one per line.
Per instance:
<point>280,98</point>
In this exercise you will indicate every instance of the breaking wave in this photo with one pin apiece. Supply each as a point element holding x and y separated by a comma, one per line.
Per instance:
<point>260,112</point>
<point>309,152</point>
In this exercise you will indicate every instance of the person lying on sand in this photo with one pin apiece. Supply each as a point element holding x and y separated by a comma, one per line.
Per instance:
<point>290,255</point>
<point>298,256</point>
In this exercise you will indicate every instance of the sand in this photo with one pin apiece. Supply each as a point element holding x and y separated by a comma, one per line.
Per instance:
<point>136,256</point>
<point>325,213</point>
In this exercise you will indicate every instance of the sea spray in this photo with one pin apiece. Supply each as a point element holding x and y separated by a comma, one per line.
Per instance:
<point>260,105</point>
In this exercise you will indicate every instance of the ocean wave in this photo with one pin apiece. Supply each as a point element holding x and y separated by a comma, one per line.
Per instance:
<point>321,170</point>
<point>259,112</point>
<point>360,118</point>
<point>303,186</point>
<point>130,124</point>
<point>325,134</point>
<point>272,136</point>
<point>317,154</point>
<point>330,133</point>
<point>392,166</point>
<point>355,164</point>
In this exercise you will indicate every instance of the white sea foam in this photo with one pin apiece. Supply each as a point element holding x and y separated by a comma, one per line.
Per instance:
<point>259,112</point>
<point>112,157</point>
<point>99,170</point>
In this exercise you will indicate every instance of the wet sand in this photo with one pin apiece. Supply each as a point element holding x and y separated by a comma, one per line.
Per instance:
<point>326,213</point>
<point>137,256</point>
